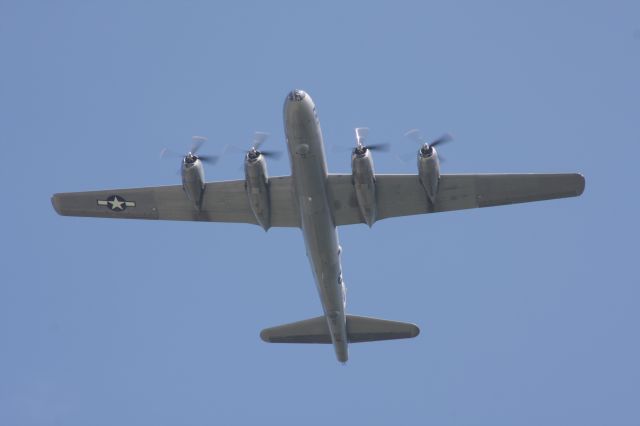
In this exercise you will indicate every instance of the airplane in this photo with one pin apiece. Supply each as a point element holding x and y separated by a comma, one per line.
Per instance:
<point>318,202</point>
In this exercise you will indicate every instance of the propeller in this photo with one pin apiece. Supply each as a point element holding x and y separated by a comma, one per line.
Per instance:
<point>191,156</point>
<point>361,135</point>
<point>255,152</point>
<point>427,147</point>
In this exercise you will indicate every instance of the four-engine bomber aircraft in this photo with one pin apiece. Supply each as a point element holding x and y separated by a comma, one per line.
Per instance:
<point>318,202</point>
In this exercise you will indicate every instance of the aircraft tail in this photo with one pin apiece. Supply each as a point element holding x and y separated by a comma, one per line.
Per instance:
<point>359,329</point>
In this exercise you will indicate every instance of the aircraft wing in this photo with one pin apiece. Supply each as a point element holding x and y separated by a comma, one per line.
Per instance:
<point>403,195</point>
<point>222,202</point>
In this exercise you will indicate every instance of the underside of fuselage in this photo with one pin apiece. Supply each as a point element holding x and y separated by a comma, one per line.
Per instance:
<point>309,172</point>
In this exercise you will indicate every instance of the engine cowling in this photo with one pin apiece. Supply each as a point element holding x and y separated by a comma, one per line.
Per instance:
<point>193,179</point>
<point>364,183</point>
<point>429,171</point>
<point>257,188</point>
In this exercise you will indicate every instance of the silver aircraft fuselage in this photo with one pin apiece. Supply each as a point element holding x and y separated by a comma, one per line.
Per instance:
<point>309,173</point>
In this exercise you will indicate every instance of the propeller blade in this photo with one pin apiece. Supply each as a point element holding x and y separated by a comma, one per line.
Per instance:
<point>197,143</point>
<point>234,148</point>
<point>442,139</point>
<point>167,153</point>
<point>272,154</point>
<point>383,147</point>
<point>414,135</point>
<point>209,159</point>
<point>259,138</point>
<point>406,157</point>
<point>361,135</point>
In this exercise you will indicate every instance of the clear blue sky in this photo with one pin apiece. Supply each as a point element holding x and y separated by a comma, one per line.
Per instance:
<point>529,313</point>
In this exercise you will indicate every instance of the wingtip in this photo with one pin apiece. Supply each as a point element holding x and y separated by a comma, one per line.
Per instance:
<point>581,183</point>
<point>55,201</point>
<point>416,331</point>
<point>264,335</point>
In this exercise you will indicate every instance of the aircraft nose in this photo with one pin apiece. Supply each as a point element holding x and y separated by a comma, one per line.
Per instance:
<point>296,95</point>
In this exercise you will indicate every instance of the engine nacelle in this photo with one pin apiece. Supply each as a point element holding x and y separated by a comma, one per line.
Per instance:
<point>193,179</point>
<point>257,187</point>
<point>364,183</point>
<point>429,171</point>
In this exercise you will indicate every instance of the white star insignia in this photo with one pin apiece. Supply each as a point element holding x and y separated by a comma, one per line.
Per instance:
<point>116,204</point>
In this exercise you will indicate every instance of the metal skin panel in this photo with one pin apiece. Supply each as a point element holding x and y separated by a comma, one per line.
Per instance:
<point>429,172</point>
<point>257,188</point>
<point>313,330</point>
<point>404,195</point>
<point>359,329</point>
<point>221,202</point>
<point>364,184</point>
<point>309,173</point>
<point>193,181</point>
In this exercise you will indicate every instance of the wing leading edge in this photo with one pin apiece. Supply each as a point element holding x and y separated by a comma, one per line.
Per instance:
<point>222,202</point>
<point>403,195</point>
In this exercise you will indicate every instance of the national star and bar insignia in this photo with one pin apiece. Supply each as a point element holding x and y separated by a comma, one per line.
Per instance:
<point>116,203</point>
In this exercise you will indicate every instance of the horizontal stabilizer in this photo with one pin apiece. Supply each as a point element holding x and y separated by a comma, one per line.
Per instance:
<point>314,330</point>
<point>365,329</point>
<point>359,329</point>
